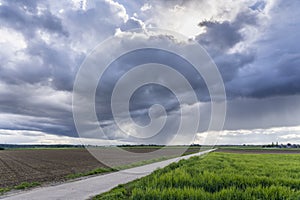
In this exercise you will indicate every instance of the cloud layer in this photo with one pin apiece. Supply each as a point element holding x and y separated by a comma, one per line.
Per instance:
<point>254,44</point>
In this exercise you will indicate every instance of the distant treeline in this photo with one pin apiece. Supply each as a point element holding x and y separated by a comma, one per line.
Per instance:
<point>276,145</point>
<point>18,146</point>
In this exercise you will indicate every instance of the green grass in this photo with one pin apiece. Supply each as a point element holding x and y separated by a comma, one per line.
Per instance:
<point>242,147</point>
<point>256,148</point>
<point>22,186</point>
<point>219,176</point>
<point>26,185</point>
<point>3,190</point>
<point>89,173</point>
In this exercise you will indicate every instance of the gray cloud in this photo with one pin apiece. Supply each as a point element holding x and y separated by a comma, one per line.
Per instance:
<point>29,107</point>
<point>220,36</point>
<point>260,68</point>
<point>36,83</point>
<point>269,66</point>
<point>26,17</point>
<point>249,113</point>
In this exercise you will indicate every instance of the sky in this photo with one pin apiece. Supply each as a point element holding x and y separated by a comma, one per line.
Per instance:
<point>254,44</point>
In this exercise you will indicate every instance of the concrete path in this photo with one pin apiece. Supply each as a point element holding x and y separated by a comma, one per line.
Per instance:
<point>89,187</point>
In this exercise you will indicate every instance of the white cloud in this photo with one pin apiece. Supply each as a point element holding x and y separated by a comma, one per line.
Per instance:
<point>185,17</point>
<point>146,7</point>
<point>38,137</point>
<point>255,136</point>
<point>41,53</point>
<point>118,10</point>
<point>292,137</point>
<point>12,38</point>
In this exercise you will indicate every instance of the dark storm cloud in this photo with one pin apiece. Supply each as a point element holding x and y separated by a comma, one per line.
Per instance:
<point>45,64</point>
<point>24,16</point>
<point>275,71</point>
<point>36,83</point>
<point>220,37</point>
<point>27,101</point>
<point>132,23</point>
<point>60,64</point>
<point>43,61</point>
<point>30,107</point>
<point>150,94</point>
<point>270,67</point>
<point>249,113</point>
<point>56,61</point>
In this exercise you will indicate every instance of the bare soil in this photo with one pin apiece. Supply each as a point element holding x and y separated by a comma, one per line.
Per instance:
<point>43,165</point>
<point>53,165</point>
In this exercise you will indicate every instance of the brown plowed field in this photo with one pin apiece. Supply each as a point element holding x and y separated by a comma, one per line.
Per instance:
<point>53,165</point>
<point>17,166</point>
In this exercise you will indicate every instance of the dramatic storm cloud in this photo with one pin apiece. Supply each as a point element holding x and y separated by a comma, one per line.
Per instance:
<point>254,44</point>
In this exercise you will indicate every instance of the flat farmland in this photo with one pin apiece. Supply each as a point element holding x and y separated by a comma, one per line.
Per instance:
<point>17,166</point>
<point>54,165</point>
<point>263,174</point>
<point>258,151</point>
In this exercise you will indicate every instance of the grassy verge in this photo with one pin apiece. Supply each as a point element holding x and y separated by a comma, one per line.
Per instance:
<point>3,190</point>
<point>218,176</point>
<point>26,185</point>
<point>89,173</point>
<point>22,186</point>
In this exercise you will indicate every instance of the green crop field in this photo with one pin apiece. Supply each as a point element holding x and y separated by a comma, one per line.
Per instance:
<point>219,176</point>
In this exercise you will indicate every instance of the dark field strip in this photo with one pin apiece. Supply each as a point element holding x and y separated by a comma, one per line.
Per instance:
<point>219,176</point>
